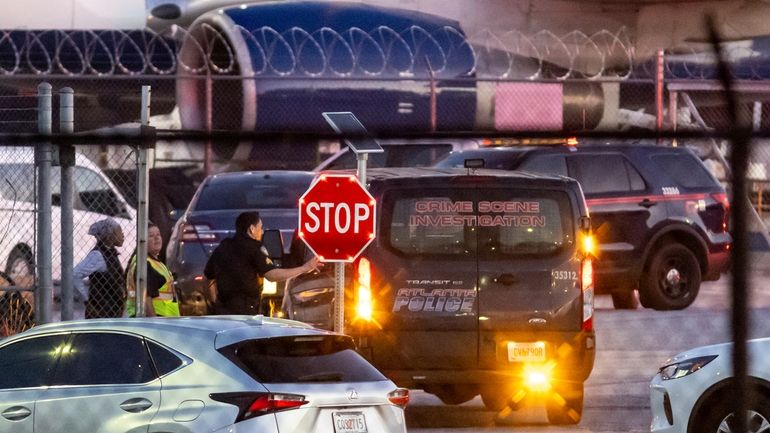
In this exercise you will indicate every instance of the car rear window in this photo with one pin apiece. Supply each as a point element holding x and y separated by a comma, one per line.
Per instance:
<point>686,170</point>
<point>302,359</point>
<point>495,222</point>
<point>252,192</point>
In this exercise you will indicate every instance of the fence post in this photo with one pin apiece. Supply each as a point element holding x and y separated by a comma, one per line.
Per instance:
<point>67,163</point>
<point>142,185</point>
<point>43,157</point>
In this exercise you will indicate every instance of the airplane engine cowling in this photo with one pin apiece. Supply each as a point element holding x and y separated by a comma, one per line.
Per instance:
<point>278,66</point>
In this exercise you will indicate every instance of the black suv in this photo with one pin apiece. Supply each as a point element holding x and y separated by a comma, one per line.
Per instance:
<point>659,216</point>
<point>477,283</point>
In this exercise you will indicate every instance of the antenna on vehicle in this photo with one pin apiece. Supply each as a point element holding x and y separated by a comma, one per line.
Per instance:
<point>474,164</point>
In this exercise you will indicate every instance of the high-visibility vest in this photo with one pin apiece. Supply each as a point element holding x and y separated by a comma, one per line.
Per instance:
<point>165,303</point>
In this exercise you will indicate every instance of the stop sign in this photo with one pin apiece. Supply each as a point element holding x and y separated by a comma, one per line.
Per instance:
<point>336,218</point>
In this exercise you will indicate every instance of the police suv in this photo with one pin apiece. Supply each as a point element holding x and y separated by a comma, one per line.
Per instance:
<point>478,282</point>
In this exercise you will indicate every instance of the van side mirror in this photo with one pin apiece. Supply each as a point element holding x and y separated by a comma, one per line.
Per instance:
<point>271,240</point>
<point>585,224</point>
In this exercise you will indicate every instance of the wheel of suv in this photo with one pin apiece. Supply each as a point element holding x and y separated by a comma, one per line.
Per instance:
<point>671,280</point>
<point>625,300</point>
<point>565,404</point>
<point>720,418</point>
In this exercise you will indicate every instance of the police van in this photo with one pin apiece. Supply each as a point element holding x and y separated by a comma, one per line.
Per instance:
<point>478,282</point>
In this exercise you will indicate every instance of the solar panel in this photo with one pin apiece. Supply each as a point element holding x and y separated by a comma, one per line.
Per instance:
<point>347,123</point>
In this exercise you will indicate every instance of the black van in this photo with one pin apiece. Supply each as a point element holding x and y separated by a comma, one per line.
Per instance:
<point>479,282</point>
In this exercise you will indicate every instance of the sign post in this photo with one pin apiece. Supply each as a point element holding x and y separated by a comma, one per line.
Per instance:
<point>337,213</point>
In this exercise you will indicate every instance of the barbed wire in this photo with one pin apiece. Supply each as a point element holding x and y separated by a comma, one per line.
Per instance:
<point>355,52</point>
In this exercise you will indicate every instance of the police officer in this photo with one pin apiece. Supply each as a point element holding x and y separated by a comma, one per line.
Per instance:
<point>160,299</point>
<point>238,264</point>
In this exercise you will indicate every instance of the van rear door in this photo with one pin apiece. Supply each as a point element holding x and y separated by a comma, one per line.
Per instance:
<point>528,272</point>
<point>424,274</point>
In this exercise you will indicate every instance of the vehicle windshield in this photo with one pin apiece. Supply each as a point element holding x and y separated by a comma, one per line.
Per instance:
<point>251,192</point>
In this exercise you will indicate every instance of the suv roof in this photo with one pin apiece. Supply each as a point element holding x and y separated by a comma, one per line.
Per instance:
<point>396,153</point>
<point>407,174</point>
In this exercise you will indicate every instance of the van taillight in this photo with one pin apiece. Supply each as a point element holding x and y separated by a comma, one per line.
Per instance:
<point>197,233</point>
<point>587,288</point>
<point>722,199</point>
<point>364,301</point>
<point>253,404</point>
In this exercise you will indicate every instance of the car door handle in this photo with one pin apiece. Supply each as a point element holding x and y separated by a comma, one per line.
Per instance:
<point>505,279</point>
<point>136,405</point>
<point>16,413</point>
<point>647,203</point>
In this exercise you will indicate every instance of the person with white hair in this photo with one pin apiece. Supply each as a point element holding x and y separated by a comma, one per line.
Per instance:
<point>104,296</point>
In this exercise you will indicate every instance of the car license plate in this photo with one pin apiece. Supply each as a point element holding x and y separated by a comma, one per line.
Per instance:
<point>526,352</point>
<point>349,422</point>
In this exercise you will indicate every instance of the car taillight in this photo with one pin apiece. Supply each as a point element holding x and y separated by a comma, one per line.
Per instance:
<point>197,233</point>
<point>587,287</point>
<point>399,397</point>
<point>722,199</point>
<point>253,404</point>
<point>364,301</point>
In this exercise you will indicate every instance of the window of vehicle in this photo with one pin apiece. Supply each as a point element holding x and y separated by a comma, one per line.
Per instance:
<point>165,360</point>
<point>95,193</point>
<point>102,358</point>
<point>497,222</point>
<point>685,169</point>
<point>28,363</point>
<point>546,164</point>
<point>604,173</point>
<point>250,192</point>
<point>435,222</point>
<point>305,358</point>
<point>17,182</point>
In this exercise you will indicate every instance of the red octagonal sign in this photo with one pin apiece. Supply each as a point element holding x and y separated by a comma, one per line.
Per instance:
<point>336,218</point>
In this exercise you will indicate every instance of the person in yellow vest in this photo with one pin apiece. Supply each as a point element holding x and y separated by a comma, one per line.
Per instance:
<point>161,296</point>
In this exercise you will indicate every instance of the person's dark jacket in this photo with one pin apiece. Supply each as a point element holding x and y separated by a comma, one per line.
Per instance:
<point>236,265</point>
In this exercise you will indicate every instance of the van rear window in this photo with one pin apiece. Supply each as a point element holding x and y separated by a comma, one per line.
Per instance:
<point>302,359</point>
<point>489,223</point>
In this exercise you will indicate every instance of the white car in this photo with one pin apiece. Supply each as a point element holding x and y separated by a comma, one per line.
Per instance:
<point>216,374</point>
<point>692,391</point>
<point>96,198</point>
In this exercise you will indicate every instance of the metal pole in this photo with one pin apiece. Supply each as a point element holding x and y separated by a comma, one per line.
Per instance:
<point>659,78</point>
<point>43,157</point>
<point>67,162</point>
<point>142,211</point>
<point>339,297</point>
<point>361,160</point>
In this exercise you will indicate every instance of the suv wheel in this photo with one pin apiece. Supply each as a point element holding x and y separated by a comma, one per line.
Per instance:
<point>625,300</point>
<point>565,405</point>
<point>672,279</point>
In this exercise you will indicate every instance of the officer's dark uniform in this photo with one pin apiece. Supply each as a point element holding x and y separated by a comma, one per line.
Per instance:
<point>237,265</point>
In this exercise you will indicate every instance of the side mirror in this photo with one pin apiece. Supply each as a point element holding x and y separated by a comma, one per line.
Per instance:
<point>272,241</point>
<point>585,224</point>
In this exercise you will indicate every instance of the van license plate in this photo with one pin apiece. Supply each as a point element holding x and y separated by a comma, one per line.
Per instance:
<point>526,352</point>
<point>349,422</point>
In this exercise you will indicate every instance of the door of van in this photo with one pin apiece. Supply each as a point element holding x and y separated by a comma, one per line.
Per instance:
<point>528,273</point>
<point>424,275</point>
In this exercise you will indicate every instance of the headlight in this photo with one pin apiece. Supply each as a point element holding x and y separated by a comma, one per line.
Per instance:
<point>685,367</point>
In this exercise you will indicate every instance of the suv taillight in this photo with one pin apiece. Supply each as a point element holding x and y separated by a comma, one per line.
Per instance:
<point>722,199</point>
<point>587,288</point>
<point>364,301</point>
<point>197,233</point>
<point>399,397</point>
<point>253,404</point>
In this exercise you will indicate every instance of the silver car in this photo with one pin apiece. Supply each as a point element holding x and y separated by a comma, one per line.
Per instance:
<point>192,374</point>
